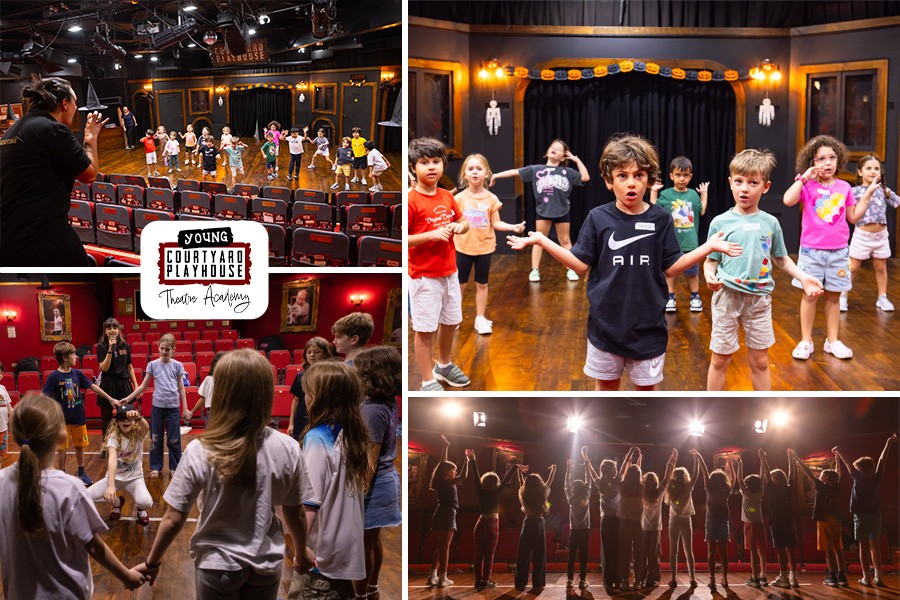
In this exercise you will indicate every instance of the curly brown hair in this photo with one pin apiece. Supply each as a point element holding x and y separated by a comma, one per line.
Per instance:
<point>808,152</point>
<point>625,149</point>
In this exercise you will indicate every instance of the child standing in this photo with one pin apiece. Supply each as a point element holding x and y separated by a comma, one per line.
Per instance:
<point>358,144</point>
<point>686,207</point>
<point>149,142</point>
<point>118,378</point>
<point>225,142</point>
<point>719,485</point>
<point>533,494</point>
<point>444,480</point>
<point>316,349</point>
<point>205,391</point>
<point>870,236</point>
<point>866,509</point>
<point>631,507</point>
<point>629,246</point>
<point>827,516</point>
<point>743,285</point>
<point>481,209</point>
<point>780,490</point>
<point>679,496</point>
<point>190,145</point>
<point>607,484</point>
<point>270,153</point>
<point>161,138</point>
<point>167,375</point>
<point>828,205</point>
<point>553,183</point>
<point>124,471</point>
<point>755,536</point>
<point>488,488</point>
<point>378,164</point>
<point>172,149</point>
<point>351,333</point>
<point>578,495</point>
<point>295,148</point>
<point>322,144</point>
<point>210,156</point>
<point>50,525</point>
<point>65,385</point>
<point>5,406</point>
<point>434,218</point>
<point>274,127</point>
<point>235,154</point>
<point>343,160</point>
<point>651,521</point>
<point>244,470</point>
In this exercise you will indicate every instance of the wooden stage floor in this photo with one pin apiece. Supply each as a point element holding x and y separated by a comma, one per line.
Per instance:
<point>539,337</point>
<point>810,587</point>
<point>115,159</point>
<point>131,542</point>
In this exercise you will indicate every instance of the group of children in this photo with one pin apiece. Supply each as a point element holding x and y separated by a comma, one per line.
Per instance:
<point>630,503</point>
<point>635,249</point>
<point>336,489</point>
<point>355,157</point>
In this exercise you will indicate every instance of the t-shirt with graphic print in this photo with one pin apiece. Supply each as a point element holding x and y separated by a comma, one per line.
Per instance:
<point>760,237</point>
<point>685,208</point>
<point>128,456</point>
<point>552,187</point>
<point>321,143</point>
<point>824,224</point>
<point>427,213</point>
<point>66,388</point>
<point>876,212</point>
<point>626,286</point>
<point>480,239</point>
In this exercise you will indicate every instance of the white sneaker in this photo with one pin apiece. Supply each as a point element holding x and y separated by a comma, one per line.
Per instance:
<point>670,305</point>
<point>803,350</point>
<point>535,275</point>
<point>838,349</point>
<point>346,186</point>
<point>843,301</point>
<point>444,582</point>
<point>363,181</point>
<point>884,304</point>
<point>793,580</point>
<point>354,180</point>
<point>335,186</point>
<point>311,166</point>
<point>432,579</point>
<point>696,304</point>
<point>482,326</point>
<point>374,188</point>
<point>334,167</point>
<point>583,584</point>
<point>571,275</point>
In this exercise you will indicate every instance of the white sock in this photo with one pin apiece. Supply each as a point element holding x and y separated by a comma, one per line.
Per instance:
<point>440,366</point>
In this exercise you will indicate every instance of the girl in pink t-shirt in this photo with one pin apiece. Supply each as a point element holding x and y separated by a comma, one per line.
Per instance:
<point>828,205</point>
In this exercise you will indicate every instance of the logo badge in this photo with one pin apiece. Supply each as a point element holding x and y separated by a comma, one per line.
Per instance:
<point>615,244</point>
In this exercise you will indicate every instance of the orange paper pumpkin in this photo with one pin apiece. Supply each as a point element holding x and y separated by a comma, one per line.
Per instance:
<point>521,72</point>
<point>653,68</point>
<point>704,75</point>
<point>600,71</point>
<point>678,73</point>
<point>547,74</point>
<point>574,74</point>
<point>731,75</point>
<point>626,66</point>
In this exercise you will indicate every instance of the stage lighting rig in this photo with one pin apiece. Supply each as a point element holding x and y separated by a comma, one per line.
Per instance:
<point>324,12</point>
<point>479,419</point>
<point>173,35</point>
<point>101,41</point>
<point>696,429</point>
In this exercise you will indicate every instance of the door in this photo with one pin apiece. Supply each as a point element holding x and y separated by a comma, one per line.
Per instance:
<point>170,107</point>
<point>357,109</point>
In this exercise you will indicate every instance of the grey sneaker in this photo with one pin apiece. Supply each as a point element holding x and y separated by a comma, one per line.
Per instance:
<point>534,275</point>
<point>884,304</point>
<point>451,375</point>
<point>434,386</point>
<point>696,304</point>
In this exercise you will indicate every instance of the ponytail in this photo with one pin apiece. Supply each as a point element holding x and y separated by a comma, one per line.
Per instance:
<point>46,94</point>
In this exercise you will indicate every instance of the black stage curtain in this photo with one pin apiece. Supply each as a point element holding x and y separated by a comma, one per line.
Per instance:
<point>252,109</point>
<point>143,115</point>
<point>679,117</point>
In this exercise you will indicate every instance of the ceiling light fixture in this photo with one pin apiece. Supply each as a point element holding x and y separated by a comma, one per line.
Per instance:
<point>190,6</point>
<point>75,27</point>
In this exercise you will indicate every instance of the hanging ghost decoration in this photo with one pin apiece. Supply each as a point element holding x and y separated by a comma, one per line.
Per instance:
<point>492,118</point>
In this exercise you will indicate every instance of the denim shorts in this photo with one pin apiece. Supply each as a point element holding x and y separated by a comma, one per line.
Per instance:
<point>831,267</point>
<point>382,503</point>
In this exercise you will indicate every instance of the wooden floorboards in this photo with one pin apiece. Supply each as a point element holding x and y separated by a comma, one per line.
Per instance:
<point>131,542</point>
<point>115,159</point>
<point>539,337</point>
<point>810,587</point>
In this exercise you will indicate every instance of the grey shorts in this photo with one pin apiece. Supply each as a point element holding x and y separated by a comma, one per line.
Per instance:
<point>831,267</point>
<point>867,527</point>
<point>607,366</point>
<point>731,309</point>
<point>434,301</point>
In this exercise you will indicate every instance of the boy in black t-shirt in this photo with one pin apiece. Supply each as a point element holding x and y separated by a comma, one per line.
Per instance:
<point>629,247</point>
<point>210,155</point>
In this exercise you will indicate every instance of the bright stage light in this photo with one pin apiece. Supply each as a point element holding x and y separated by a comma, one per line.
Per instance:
<point>479,419</point>
<point>760,425</point>
<point>573,424</point>
<point>781,418</point>
<point>451,409</point>
<point>696,429</point>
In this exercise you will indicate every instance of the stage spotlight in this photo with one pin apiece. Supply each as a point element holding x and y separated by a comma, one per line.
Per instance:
<point>781,418</point>
<point>154,59</point>
<point>696,429</point>
<point>75,27</point>
<point>760,425</point>
<point>72,60</point>
<point>479,419</point>
<point>573,424</point>
<point>451,409</point>
<point>263,19</point>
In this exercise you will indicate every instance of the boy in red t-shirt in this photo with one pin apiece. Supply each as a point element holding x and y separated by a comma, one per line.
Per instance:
<point>149,142</point>
<point>435,301</point>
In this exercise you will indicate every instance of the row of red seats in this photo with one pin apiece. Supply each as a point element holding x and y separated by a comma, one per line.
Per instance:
<point>191,334</point>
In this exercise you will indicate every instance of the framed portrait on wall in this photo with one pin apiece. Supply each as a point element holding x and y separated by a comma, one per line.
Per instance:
<point>299,305</point>
<point>55,312</point>
<point>393,319</point>
<point>416,475</point>
<point>201,101</point>
<point>504,460</point>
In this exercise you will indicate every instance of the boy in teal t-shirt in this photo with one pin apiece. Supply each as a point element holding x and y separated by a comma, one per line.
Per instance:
<point>743,285</point>
<point>270,152</point>
<point>686,207</point>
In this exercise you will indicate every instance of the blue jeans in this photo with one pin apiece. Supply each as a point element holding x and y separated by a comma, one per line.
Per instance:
<point>173,161</point>
<point>532,549</point>
<point>164,421</point>
<point>294,166</point>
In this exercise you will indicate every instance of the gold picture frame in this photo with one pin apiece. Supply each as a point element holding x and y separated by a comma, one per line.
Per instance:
<point>299,305</point>
<point>393,319</point>
<point>200,101</point>
<point>417,475</point>
<point>55,312</point>
<point>504,460</point>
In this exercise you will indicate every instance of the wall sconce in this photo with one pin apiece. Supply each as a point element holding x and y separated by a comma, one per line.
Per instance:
<point>766,72</point>
<point>220,90</point>
<point>357,79</point>
<point>387,76</point>
<point>148,87</point>
<point>491,68</point>
<point>10,316</point>
<point>357,299</point>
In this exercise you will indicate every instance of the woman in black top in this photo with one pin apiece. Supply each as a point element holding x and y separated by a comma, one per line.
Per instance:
<point>444,482</point>
<point>488,488</point>
<point>118,378</point>
<point>41,160</point>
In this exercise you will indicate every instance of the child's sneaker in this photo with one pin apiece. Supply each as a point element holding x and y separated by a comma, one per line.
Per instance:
<point>482,326</point>
<point>375,188</point>
<point>290,177</point>
<point>115,513</point>
<point>696,304</point>
<point>179,170</point>
<point>571,275</point>
<point>781,582</point>
<point>670,304</point>
<point>884,304</point>
<point>346,187</point>
<point>865,581</point>
<point>334,167</point>
<point>142,517</point>
<point>434,386</point>
<point>535,275</point>
<point>85,479</point>
<point>432,579</point>
<point>335,186</point>
<point>270,177</point>
<point>843,302</point>
<point>763,581</point>
<point>451,375</point>
<point>752,582</point>
<point>837,349</point>
<point>794,582</point>
<point>803,350</point>
<point>311,166</point>
<point>570,583</point>
<point>583,584</point>
<point>354,180</point>
<point>842,579</point>
<point>363,181</point>
<point>445,582</point>
<point>830,581</point>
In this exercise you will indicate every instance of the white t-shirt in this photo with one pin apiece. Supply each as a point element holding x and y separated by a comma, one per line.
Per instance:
<point>683,507</point>
<point>336,536</point>
<point>375,159</point>
<point>128,457</point>
<point>205,391</point>
<point>651,518</point>
<point>54,562</point>
<point>295,144</point>
<point>5,404</point>
<point>172,147</point>
<point>237,527</point>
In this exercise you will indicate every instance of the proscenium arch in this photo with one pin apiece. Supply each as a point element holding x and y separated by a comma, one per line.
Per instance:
<point>740,100</point>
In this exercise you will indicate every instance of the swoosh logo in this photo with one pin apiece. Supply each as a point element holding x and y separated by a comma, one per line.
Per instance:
<point>615,244</point>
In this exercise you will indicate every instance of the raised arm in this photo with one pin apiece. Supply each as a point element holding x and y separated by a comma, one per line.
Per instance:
<point>551,475</point>
<point>703,470</point>
<point>503,175</point>
<point>470,454</point>
<point>670,469</point>
<point>839,453</point>
<point>582,170</point>
<point>509,475</point>
<point>804,468</point>
<point>763,468</point>
<point>729,472</point>
<point>740,474</point>
<point>837,464</point>
<point>462,476</point>
<point>695,472</point>
<point>882,460</point>
<point>445,451</point>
